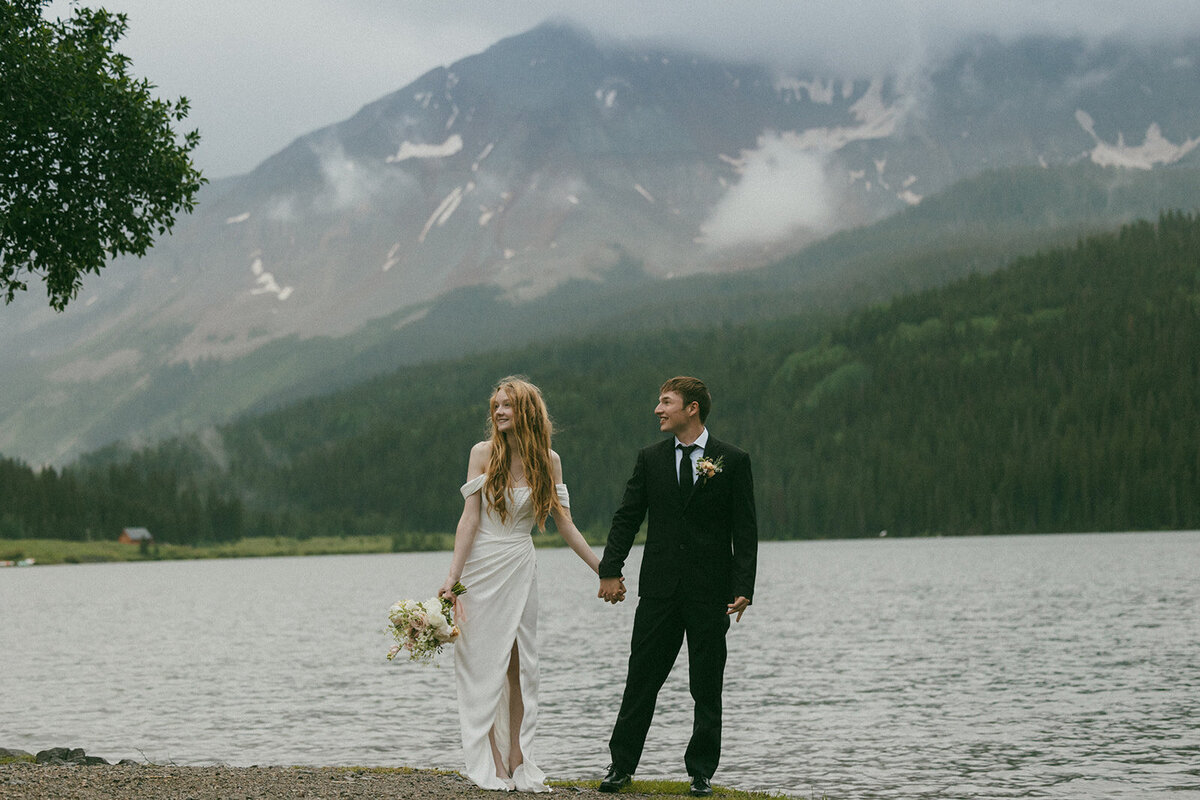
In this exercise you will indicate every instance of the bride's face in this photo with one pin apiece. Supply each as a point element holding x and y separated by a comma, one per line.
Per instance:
<point>504,416</point>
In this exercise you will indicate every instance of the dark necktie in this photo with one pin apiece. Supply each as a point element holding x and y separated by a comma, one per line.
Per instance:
<point>685,469</point>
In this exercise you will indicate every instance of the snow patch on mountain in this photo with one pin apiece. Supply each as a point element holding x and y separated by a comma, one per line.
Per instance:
<point>267,283</point>
<point>479,159</point>
<point>408,150</point>
<point>408,319</point>
<point>1154,149</point>
<point>815,90</point>
<point>392,259</point>
<point>876,120</point>
<point>783,183</point>
<point>486,214</point>
<point>445,209</point>
<point>880,167</point>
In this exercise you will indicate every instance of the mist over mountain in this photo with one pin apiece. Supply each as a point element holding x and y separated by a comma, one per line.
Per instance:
<point>552,163</point>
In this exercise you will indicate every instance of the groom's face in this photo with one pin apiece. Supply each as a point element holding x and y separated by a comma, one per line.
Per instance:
<point>673,416</point>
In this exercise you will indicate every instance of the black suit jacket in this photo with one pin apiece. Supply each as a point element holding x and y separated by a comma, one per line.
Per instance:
<point>704,546</point>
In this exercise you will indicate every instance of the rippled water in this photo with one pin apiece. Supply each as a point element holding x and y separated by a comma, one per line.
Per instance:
<point>1048,666</point>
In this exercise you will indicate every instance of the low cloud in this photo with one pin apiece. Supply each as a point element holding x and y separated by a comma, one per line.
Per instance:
<point>872,37</point>
<point>349,183</point>
<point>346,184</point>
<point>254,83</point>
<point>782,189</point>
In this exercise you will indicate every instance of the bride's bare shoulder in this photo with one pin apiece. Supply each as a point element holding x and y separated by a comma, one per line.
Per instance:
<point>480,454</point>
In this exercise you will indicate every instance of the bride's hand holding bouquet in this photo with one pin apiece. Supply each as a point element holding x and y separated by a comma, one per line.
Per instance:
<point>449,593</point>
<point>423,628</point>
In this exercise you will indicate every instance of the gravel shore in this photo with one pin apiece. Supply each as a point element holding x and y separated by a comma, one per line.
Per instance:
<point>152,782</point>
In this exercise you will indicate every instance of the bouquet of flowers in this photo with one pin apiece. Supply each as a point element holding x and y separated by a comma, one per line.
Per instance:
<point>423,628</point>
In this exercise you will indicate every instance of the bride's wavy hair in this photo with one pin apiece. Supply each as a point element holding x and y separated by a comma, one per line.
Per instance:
<point>532,429</point>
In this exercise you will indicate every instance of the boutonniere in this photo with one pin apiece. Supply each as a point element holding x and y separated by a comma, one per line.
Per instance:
<point>708,467</point>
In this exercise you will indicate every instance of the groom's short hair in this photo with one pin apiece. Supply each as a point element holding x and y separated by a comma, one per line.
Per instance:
<point>692,390</point>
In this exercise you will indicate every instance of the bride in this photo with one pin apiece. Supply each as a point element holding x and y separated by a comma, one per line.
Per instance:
<point>514,481</point>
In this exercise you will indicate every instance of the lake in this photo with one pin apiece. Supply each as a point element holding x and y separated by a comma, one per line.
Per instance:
<point>1064,666</point>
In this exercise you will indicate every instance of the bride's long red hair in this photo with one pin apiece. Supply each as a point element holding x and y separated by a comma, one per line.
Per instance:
<point>531,430</point>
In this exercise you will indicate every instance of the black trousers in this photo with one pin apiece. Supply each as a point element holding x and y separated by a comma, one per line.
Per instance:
<point>659,627</point>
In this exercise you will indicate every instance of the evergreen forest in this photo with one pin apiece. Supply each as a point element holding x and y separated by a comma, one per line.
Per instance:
<point>1060,393</point>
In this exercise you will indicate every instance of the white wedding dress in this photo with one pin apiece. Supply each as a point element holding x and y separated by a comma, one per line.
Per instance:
<point>499,608</point>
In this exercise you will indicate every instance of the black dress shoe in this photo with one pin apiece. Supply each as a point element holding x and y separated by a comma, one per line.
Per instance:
<point>701,786</point>
<point>615,780</point>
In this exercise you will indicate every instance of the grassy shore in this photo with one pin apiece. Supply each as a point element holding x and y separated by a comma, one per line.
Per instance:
<point>62,551</point>
<point>670,789</point>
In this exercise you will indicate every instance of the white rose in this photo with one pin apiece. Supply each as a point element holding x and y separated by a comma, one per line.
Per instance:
<point>432,608</point>
<point>443,628</point>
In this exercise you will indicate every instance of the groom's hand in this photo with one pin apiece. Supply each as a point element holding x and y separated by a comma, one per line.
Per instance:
<point>612,590</point>
<point>738,606</point>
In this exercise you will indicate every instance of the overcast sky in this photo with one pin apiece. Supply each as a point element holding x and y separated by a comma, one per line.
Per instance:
<point>260,73</point>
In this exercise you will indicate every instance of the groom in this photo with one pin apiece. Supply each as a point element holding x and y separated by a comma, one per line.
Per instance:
<point>697,570</point>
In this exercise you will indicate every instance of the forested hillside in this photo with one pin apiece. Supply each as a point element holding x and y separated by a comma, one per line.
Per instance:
<point>1058,394</point>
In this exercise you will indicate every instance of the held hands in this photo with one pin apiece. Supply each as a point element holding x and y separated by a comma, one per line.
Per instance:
<point>612,590</point>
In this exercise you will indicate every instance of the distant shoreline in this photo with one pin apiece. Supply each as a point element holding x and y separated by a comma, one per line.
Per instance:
<point>46,552</point>
<point>62,551</point>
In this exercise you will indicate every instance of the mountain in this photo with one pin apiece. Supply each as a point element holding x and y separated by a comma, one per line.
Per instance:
<point>1055,394</point>
<point>553,182</point>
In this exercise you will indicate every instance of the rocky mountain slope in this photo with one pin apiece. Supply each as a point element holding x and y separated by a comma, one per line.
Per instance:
<point>551,162</point>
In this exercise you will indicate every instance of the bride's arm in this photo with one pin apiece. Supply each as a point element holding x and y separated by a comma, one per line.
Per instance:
<point>566,527</point>
<point>572,536</point>
<point>468,523</point>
